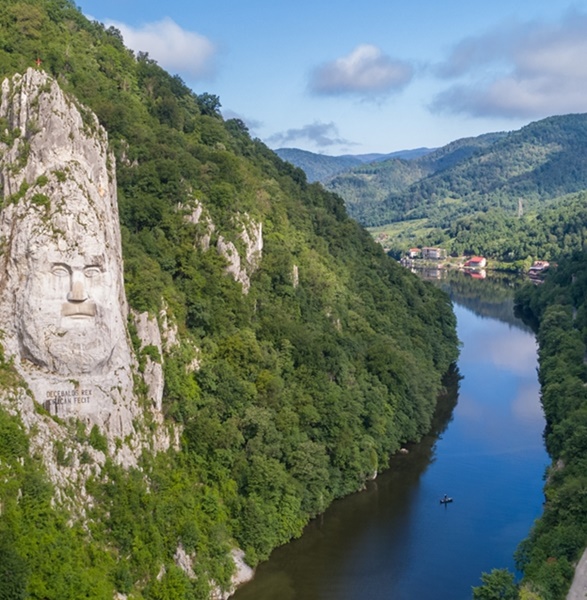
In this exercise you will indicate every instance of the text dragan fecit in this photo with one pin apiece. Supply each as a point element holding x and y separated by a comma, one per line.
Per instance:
<point>75,396</point>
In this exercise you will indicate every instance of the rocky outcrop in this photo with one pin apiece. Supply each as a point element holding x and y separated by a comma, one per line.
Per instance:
<point>198,216</point>
<point>242,265</point>
<point>295,276</point>
<point>184,561</point>
<point>150,338</point>
<point>249,240</point>
<point>68,463</point>
<point>243,572</point>
<point>62,302</point>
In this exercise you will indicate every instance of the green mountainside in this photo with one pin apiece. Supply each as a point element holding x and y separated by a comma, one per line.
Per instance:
<point>365,187</point>
<point>321,167</point>
<point>541,161</point>
<point>305,385</point>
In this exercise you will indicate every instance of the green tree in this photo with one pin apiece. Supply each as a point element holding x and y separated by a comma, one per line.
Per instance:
<point>13,570</point>
<point>497,585</point>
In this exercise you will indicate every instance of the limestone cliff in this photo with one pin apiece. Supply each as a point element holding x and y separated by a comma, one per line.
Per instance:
<point>62,300</point>
<point>242,267</point>
<point>249,238</point>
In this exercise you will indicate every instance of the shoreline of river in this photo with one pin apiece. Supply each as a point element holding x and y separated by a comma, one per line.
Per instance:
<point>383,541</point>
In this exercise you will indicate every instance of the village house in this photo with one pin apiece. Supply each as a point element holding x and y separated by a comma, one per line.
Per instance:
<point>476,262</point>
<point>433,253</point>
<point>413,252</point>
<point>538,266</point>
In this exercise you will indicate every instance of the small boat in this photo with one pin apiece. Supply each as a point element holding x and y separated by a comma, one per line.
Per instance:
<point>445,500</point>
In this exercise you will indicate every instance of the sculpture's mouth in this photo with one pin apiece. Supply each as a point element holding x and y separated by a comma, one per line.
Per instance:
<point>78,310</point>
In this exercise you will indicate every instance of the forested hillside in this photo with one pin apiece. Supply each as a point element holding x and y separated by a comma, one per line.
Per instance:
<point>289,391</point>
<point>558,309</point>
<point>541,161</point>
<point>559,228</point>
<point>368,189</point>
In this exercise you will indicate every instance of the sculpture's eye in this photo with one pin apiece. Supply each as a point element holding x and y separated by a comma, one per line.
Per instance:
<point>60,270</point>
<point>92,271</point>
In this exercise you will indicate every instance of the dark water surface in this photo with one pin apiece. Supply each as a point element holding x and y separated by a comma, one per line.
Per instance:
<point>395,541</point>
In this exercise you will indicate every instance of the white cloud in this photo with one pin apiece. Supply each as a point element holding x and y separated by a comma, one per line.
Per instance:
<point>516,355</point>
<point>526,405</point>
<point>531,70</point>
<point>366,71</point>
<point>320,134</point>
<point>506,348</point>
<point>174,48</point>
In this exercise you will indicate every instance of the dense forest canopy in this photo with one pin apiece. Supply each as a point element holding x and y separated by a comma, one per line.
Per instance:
<point>541,161</point>
<point>305,385</point>
<point>558,309</point>
<point>368,188</point>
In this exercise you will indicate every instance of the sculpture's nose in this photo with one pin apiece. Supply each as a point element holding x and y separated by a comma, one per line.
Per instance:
<point>77,293</point>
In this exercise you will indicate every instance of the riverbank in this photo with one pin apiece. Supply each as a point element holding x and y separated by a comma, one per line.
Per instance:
<point>485,450</point>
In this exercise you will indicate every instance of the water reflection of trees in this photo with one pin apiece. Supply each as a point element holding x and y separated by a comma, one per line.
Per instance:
<point>447,402</point>
<point>492,297</point>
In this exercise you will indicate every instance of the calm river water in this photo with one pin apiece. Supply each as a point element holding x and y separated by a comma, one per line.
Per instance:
<point>395,541</point>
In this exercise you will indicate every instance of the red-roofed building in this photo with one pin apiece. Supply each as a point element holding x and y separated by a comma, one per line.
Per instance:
<point>476,262</point>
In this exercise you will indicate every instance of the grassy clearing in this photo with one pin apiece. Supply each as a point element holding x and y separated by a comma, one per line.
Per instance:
<point>401,233</point>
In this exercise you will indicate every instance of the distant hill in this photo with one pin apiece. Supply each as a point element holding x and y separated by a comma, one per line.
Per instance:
<point>317,167</point>
<point>542,161</point>
<point>405,154</point>
<point>321,167</point>
<point>366,185</point>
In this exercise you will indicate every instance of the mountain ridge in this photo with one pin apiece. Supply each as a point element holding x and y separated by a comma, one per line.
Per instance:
<point>323,167</point>
<point>541,161</point>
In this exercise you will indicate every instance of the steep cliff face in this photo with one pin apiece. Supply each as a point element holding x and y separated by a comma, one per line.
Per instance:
<point>62,301</point>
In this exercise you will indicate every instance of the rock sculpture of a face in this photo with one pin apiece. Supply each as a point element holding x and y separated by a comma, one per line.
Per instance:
<point>67,320</point>
<point>62,303</point>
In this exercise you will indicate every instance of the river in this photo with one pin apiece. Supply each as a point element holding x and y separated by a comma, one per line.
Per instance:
<point>395,541</point>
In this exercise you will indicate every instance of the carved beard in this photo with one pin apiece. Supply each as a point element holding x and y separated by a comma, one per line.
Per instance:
<point>85,348</point>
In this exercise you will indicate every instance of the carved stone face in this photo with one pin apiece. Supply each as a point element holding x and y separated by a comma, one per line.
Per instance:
<point>69,306</point>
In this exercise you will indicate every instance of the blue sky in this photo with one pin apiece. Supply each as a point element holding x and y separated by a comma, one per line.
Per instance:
<point>376,76</point>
